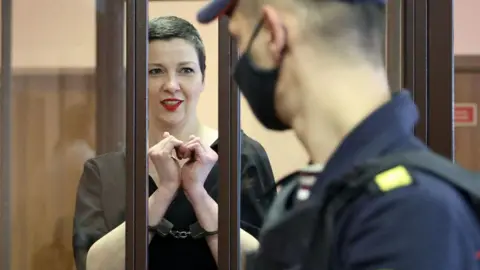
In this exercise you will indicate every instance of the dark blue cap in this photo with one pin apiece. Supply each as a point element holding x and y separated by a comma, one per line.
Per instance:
<point>217,8</point>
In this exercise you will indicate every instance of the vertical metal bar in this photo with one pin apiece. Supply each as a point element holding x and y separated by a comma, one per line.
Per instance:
<point>441,77</point>
<point>141,112</point>
<point>224,143</point>
<point>235,152</point>
<point>110,77</point>
<point>393,47</point>
<point>5,136</point>
<point>130,140</point>
<point>420,60</point>
<point>229,152</point>
<point>408,44</point>
<point>416,60</point>
<point>136,257</point>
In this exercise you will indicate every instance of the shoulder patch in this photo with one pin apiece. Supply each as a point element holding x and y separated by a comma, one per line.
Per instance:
<point>393,178</point>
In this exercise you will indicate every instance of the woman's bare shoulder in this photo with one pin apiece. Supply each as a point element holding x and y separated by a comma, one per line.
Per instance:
<point>209,136</point>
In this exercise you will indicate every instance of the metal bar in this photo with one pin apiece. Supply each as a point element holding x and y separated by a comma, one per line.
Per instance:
<point>110,77</point>
<point>130,140</point>
<point>441,137</point>
<point>235,159</point>
<point>136,257</point>
<point>408,44</point>
<point>224,144</point>
<point>415,59</point>
<point>5,135</point>
<point>393,46</point>
<point>141,128</point>
<point>420,60</point>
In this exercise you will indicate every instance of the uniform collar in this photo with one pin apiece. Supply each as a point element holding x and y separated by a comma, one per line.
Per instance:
<point>312,168</point>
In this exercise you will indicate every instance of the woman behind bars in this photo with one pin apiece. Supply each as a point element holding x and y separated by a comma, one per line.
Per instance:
<point>183,170</point>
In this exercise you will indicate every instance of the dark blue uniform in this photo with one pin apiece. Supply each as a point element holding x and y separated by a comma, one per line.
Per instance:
<point>423,226</point>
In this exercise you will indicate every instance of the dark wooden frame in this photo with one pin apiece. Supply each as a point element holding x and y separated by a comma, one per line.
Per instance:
<point>5,134</point>
<point>414,58</point>
<point>136,251</point>
<point>441,135</point>
<point>428,65</point>
<point>229,152</point>
<point>393,44</point>
<point>110,76</point>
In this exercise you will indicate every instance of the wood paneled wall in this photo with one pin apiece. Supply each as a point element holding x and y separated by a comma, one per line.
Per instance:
<point>53,134</point>
<point>467,90</point>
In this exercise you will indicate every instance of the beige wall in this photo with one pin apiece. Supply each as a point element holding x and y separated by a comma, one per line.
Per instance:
<point>67,38</point>
<point>466,22</point>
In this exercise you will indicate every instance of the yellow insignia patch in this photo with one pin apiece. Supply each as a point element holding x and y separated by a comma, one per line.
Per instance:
<point>394,178</point>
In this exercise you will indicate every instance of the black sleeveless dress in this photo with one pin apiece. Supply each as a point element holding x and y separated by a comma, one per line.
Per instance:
<point>171,253</point>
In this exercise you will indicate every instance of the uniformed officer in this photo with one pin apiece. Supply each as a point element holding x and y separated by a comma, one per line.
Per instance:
<point>316,66</point>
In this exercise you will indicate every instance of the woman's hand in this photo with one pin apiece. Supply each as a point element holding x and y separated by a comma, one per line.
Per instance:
<point>166,165</point>
<point>195,171</point>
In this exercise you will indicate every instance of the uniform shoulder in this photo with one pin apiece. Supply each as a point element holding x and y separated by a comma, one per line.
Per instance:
<point>420,221</point>
<point>427,199</point>
<point>438,192</point>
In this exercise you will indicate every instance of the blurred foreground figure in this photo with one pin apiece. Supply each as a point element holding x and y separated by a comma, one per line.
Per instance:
<point>383,200</point>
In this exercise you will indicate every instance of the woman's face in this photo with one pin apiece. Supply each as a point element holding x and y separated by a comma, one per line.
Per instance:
<point>175,81</point>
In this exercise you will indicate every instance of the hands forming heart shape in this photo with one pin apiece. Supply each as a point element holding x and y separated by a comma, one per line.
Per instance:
<point>183,152</point>
<point>182,163</point>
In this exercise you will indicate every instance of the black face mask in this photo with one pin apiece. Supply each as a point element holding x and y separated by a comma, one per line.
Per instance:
<point>258,87</point>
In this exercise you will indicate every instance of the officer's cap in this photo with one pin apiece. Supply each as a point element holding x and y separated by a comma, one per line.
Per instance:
<point>216,8</point>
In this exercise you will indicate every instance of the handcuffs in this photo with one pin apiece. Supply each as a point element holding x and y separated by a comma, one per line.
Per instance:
<point>164,228</point>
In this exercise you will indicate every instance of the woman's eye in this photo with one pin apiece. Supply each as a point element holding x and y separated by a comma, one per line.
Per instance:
<point>155,71</point>
<point>187,70</point>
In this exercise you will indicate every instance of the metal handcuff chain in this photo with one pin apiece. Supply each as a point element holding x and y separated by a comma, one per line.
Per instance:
<point>180,234</point>
<point>165,227</point>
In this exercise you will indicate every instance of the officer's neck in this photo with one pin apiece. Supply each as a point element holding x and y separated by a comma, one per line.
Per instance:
<point>334,103</point>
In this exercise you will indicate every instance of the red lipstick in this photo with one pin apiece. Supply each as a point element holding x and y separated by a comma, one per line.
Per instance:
<point>171,104</point>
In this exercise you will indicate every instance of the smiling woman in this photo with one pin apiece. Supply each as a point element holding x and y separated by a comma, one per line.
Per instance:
<point>183,169</point>
<point>176,72</point>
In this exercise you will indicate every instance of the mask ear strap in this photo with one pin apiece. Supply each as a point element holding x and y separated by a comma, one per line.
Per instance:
<point>254,34</point>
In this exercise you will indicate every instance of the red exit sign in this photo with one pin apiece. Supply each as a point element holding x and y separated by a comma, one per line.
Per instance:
<point>465,114</point>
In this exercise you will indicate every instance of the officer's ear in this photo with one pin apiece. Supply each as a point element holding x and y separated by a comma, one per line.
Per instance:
<point>278,35</point>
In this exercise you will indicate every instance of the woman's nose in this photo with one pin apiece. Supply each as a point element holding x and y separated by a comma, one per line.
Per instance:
<point>172,85</point>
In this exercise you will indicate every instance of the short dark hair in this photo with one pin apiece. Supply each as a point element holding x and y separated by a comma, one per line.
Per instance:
<point>338,24</point>
<point>352,24</point>
<point>171,27</point>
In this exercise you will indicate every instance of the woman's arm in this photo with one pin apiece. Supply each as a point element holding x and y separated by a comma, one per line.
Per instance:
<point>89,221</point>
<point>206,210</point>
<point>108,253</point>
<point>256,174</point>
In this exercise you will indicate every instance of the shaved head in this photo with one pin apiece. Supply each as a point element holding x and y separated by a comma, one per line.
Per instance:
<point>343,27</point>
